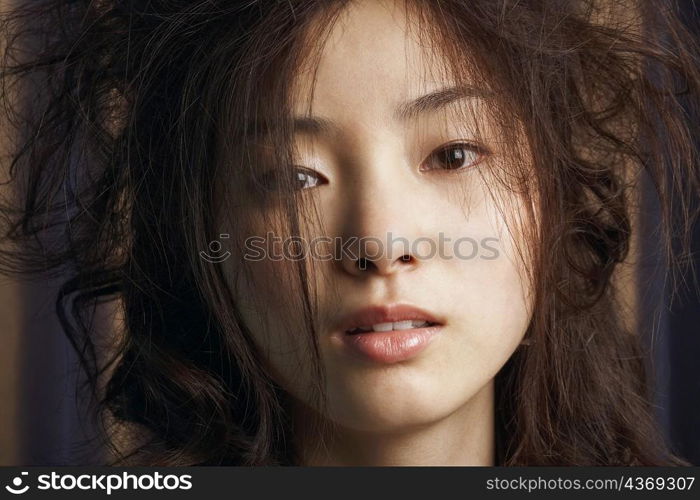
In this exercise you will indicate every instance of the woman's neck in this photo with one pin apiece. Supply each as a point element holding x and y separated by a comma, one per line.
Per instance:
<point>465,437</point>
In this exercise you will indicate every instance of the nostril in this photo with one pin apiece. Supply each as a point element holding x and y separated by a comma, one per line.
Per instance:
<point>365,264</point>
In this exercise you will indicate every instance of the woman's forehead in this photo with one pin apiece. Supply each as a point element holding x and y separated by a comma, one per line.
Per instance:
<point>372,54</point>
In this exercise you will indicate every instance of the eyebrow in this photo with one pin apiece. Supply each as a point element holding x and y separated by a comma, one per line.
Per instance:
<point>437,100</point>
<point>434,101</point>
<point>312,125</point>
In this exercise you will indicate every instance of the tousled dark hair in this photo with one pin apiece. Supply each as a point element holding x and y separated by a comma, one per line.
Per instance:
<point>129,115</point>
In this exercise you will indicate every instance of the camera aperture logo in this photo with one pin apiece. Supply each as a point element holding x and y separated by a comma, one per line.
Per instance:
<point>103,482</point>
<point>16,488</point>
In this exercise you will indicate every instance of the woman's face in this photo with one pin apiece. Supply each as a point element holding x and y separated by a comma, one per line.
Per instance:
<point>385,152</point>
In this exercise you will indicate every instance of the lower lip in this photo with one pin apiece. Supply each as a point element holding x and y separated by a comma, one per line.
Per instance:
<point>392,346</point>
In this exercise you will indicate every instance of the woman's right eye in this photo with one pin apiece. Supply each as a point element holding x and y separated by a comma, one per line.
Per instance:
<point>302,178</point>
<point>305,178</point>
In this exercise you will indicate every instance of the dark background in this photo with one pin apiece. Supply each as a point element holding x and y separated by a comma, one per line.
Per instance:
<point>682,332</point>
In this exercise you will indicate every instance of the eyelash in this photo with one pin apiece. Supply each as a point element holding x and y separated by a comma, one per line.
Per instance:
<point>445,148</point>
<point>480,151</point>
<point>272,181</point>
<point>309,172</point>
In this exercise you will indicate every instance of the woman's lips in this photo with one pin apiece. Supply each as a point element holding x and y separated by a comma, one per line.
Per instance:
<point>397,332</point>
<point>392,346</point>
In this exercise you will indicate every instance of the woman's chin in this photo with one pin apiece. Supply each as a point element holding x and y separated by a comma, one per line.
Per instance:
<point>391,413</point>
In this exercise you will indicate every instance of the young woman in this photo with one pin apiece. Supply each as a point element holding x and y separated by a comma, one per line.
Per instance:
<point>354,232</point>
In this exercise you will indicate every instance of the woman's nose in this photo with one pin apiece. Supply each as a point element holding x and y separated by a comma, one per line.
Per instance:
<point>384,220</point>
<point>382,266</point>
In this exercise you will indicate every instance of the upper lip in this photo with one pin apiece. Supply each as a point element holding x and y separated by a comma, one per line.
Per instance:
<point>388,313</point>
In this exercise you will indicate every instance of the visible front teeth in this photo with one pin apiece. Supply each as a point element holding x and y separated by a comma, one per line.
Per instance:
<point>383,327</point>
<point>403,325</point>
<point>387,327</point>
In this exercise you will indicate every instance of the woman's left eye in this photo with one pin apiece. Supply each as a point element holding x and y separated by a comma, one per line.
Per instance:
<point>454,156</point>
